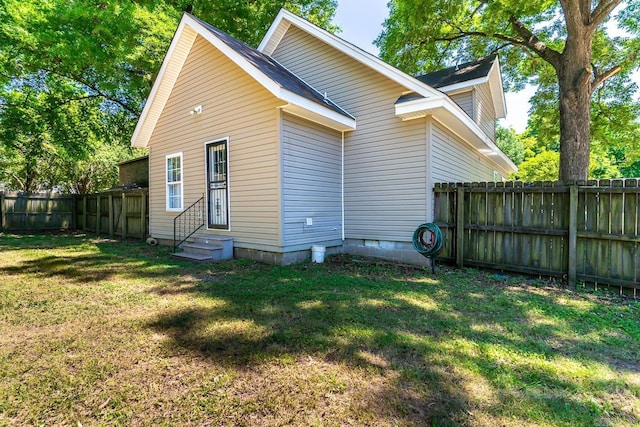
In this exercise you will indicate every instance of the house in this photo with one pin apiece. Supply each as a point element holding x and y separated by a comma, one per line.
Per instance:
<point>134,172</point>
<point>309,140</point>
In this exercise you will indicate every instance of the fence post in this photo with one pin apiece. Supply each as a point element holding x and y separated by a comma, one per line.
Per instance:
<point>110,215</point>
<point>460,227</point>
<point>573,234</point>
<point>143,215</point>
<point>74,212</point>
<point>84,213</point>
<point>3,219</point>
<point>98,215</point>
<point>124,216</point>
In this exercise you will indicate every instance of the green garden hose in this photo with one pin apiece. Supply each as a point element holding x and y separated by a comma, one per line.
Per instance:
<point>428,240</point>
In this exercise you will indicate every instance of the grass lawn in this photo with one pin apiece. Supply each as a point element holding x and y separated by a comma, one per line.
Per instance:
<point>97,332</point>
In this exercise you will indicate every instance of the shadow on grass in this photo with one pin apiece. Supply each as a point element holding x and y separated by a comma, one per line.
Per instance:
<point>50,240</point>
<point>446,339</point>
<point>82,259</point>
<point>446,346</point>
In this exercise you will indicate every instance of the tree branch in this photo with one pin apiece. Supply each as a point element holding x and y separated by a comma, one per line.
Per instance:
<point>17,178</point>
<point>600,78</point>
<point>133,71</point>
<point>600,13</point>
<point>499,36</point>
<point>571,13</point>
<point>477,9</point>
<point>532,42</point>
<point>94,87</point>
<point>70,100</point>
<point>585,11</point>
<point>498,48</point>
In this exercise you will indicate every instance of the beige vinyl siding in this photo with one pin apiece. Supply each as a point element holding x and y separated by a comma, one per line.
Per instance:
<point>168,75</point>
<point>454,161</point>
<point>234,106</point>
<point>465,101</point>
<point>486,114</point>
<point>385,158</point>
<point>311,183</point>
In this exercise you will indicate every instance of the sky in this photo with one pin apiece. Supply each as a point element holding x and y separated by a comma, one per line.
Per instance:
<point>361,22</point>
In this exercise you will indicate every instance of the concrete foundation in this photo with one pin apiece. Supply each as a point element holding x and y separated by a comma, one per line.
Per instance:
<point>279,258</point>
<point>400,252</point>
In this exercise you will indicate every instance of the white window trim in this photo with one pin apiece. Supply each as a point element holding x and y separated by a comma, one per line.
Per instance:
<point>181,182</point>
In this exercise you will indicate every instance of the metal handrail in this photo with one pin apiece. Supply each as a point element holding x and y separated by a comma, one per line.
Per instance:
<point>188,222</point>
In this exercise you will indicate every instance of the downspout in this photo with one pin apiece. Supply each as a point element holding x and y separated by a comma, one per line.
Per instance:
<point>429,169</point>
<point>342,184</point>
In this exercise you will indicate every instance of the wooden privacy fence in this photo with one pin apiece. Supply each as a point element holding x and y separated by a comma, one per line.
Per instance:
<point>114,213</point>
<point>24,212</point>
<point>588,230</point>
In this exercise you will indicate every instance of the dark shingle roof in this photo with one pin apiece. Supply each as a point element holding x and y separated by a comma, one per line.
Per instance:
<point>272,69</point>
<point>458,74</point>
<point>409,97</point>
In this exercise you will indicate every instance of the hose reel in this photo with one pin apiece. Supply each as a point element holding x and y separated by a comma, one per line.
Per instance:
<point>428,241</point>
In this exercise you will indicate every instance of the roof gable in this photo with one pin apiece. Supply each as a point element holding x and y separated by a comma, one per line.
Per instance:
<point>285,19</point>
<point>301,98</point>
<point>419,99</point>
<point>273,70</point>
<point>465,76</point>
<point>459,73</point>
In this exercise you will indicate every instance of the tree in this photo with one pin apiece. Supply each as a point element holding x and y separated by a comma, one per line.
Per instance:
<point>508,141</point>
<point>249,20</point>
<point>541,167</point>
<point>564,40</point>
<point>74,77</point>
<point>544,167</point>
<point>113,49</point>
<point>54,135</point>
<point>614,124</point>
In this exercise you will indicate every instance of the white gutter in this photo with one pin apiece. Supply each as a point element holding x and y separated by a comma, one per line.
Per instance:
<point>451,115</point>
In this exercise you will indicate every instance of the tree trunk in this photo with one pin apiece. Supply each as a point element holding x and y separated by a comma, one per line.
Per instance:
<point>575,116</point>
<point>574,84</point>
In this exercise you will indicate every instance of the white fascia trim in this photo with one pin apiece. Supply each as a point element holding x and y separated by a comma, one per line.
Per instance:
<point>423,107</point>
<point>341,122</point>
<point>350,50</point>
<point>273,87</point>
<point>463,85</point>
<point>497,90</point>
<point>418,105</point>
<point>169,59</point>
<point>271,32</point>
<point>270,37</point>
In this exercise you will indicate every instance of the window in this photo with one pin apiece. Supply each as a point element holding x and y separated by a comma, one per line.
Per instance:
<point>174,182</point>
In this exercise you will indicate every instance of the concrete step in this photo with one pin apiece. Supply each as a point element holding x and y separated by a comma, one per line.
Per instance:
<point>193,257</point>
<point>207,249</point>
<point>212,239</point>
<point>226,243</point>
<point>214,251</point>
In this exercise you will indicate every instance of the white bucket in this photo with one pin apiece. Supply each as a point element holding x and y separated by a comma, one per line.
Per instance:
<point>317,254</point>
